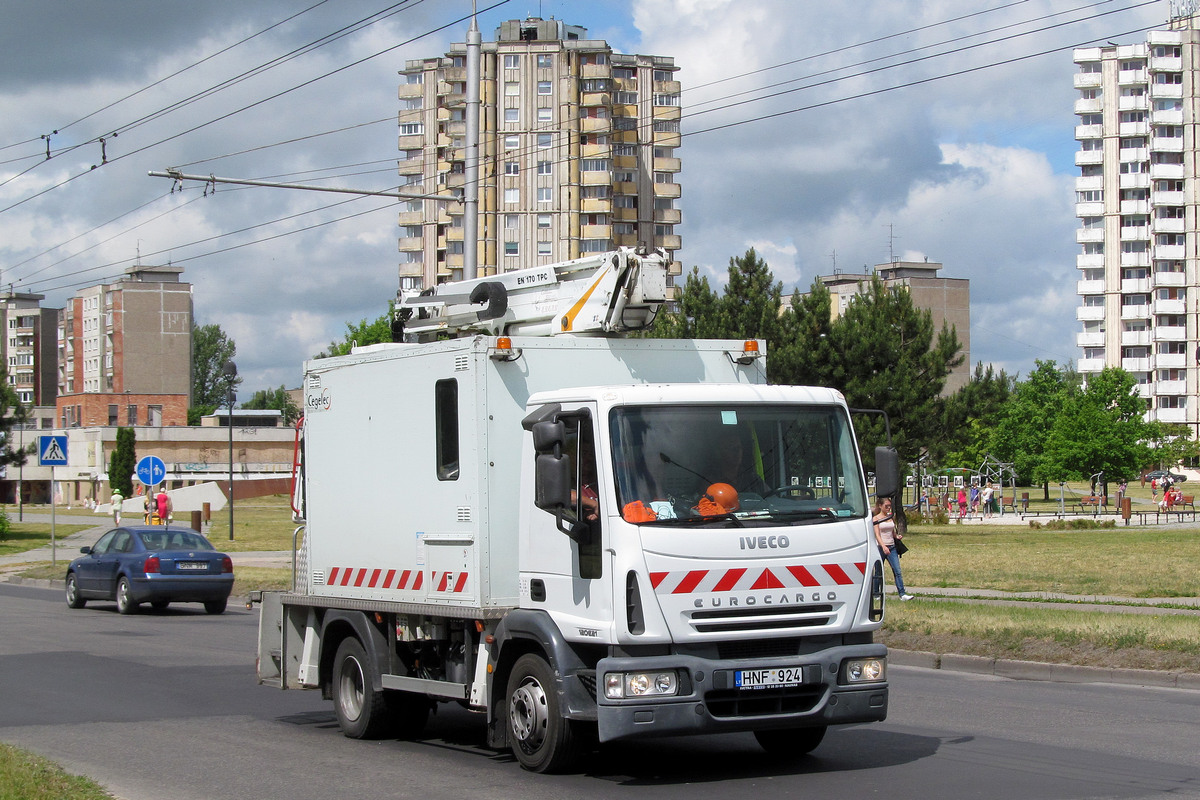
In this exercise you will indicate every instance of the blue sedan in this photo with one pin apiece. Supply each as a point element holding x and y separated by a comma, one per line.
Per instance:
<point>151,563</point>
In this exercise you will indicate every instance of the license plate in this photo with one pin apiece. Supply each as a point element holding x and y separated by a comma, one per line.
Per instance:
<point>763,678</point>
<point>191,566</point>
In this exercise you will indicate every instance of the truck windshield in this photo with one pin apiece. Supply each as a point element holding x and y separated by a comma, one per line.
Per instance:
<point>739,465</point>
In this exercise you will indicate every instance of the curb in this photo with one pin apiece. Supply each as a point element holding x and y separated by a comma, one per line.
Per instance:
<point>1039,671</point>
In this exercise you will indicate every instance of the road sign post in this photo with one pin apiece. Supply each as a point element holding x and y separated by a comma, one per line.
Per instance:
<point>52,452</point>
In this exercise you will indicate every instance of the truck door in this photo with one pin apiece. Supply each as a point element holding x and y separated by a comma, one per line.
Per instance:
<point>565,554</point>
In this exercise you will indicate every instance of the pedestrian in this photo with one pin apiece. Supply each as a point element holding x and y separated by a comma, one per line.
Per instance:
<point>962,502</point>
<point>1153,488</point>
<point>117,500</point>
<point>985,497</point>
<point>974,498</point>
<point>888,539</point>
<point>162,504</point>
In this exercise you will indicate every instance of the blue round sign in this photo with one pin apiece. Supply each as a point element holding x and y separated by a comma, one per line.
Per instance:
<point>151,470</point>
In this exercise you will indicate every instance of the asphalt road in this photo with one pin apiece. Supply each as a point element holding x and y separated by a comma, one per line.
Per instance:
<point>165,707</point>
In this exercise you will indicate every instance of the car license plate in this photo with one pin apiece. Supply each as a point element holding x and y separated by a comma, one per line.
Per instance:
<point>191,566</point>
<point>764,678</point>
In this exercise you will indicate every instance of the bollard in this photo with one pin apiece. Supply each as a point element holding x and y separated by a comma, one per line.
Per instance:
<point>196,520</point>
<point>1126,509</point>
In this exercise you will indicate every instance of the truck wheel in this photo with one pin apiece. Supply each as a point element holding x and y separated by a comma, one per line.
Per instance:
<point>125,603</point>
<point>409,712</point>
<point>361,710</point>
<point>790,741</point>
<point>542,740</point>
<point>74,600</point>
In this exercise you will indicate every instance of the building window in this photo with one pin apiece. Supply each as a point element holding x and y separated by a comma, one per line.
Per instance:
<point>512,89</point>
<point>511,249</point>
<point>666,100</point>
<point>543,220</point>
<point>545,115</point>
<point>512,142</point>
<point>544,168</point>
<point>512,221</point>
<point>512,115</point>
<point>1127,116</point>
<point>595,165</point>
<point>132,415</point>
<point>412,128</point>
<point>626,98</point>
<point>1171,401</point>
<point>154,416</point>
<point>595,245</point>
<point>512,168</point>
<point>1173,78</point>
<point>545,87</point>
<point>1089,66</point>
<point>545,194</point>
<point>545,140</point>
<point>544,249</point>
<point>545,61</point>
<point>512,195</point>
<point>512,62</point>
<point>113,414</point>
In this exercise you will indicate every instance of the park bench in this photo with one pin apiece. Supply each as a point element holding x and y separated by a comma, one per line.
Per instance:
<point>1092,503</point>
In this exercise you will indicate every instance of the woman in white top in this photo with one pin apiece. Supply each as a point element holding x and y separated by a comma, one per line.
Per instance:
<point>885,537</point>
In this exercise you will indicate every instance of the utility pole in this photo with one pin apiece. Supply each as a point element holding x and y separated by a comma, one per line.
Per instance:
<point>471,168</point>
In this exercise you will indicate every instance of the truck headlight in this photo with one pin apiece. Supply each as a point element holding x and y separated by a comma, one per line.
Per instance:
<point>620,685</point>
<point>864,670</point>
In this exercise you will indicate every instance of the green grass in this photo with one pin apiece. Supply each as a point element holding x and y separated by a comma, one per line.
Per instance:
<point>24,776</point>
<point>28,536</point>
<point>261,523</point>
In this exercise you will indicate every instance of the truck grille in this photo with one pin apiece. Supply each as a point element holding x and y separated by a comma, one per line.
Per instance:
<point>747,620</point>
<point>763,702</point>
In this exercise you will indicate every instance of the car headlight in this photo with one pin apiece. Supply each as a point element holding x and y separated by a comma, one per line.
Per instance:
<point>620,685</point>
<point>865,670</point>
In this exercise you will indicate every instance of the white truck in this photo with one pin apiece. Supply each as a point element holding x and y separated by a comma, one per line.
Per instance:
<point>585,538</point>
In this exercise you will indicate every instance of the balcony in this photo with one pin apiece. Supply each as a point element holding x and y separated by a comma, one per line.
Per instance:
<point>1170,251</point>
<point>1170,387</point>
<point>595,151</point>
<point>1166,64</point>
<point>1166,171</point>
<point>1135,364</point>
<point>1170,333</point>
<point>591,99</point>
<point>1167,198</point>
<point>1084,235</point>
<point>1169,225</point>
<point>410,218</point>
<point>1168,90</point>
<point>1089,340</point>
<point>1131,154</point>
<point>1169,279</point>
<point>595,177</point>
<point>1162,306</point>
<point>1133,128</point>
<point>1171,414</point>
<point>595,125</point>
<point>667,165</point>
<point>596,205</point>
<point>1090,287</point>
<point>1131,103</point>
<point>1170,360</point>
<point>1088,106</point>
<point>1167,144</point>
<point>667,138</point>
<point>668,216</point>
<point>667,190</point>
<point>595,71</point>
<point>625,215</point>
<point>1089,260</point>
<point>1087,80</point>
<point>1089,313</point>
<point>1135,312</point>
<point>1089,184</point>
<point>410,142</point>
<point>1167,116</point>
<point>1134,233</point>
<point>1089,131</point>
<point>1134,180</point>
<point>1089,209</point>
<point>410,90</point>
<point>1134,338</point>
<point>1129,77</point>
<point>1083,157</point>
<point>414,166</point>
<point>1135,206</point>
<point>1135,286</point>
<point>596,231</point>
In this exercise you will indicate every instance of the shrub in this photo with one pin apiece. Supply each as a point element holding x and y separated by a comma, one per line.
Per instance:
<point>5,525</point>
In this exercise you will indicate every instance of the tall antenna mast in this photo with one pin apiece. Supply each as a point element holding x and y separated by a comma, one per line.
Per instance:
<point>471,167</point>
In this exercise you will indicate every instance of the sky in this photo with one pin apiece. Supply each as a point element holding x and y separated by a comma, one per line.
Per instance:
<point>827,136</point>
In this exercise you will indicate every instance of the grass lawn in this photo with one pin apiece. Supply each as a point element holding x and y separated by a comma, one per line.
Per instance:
<point>24,776</point>
<point>24,536</point>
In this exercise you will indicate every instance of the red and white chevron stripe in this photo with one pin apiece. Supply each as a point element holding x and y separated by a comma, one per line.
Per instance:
<point>408,579</point>
<point>741,579</point>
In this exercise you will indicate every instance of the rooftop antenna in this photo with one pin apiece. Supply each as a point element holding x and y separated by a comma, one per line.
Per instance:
<point>833,257</point>
<point>891,243</point>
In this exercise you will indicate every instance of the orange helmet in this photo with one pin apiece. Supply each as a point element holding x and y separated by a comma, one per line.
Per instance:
<point>724,495</point>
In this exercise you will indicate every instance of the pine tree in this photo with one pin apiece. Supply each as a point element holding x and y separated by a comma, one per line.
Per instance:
<point>123,462</point>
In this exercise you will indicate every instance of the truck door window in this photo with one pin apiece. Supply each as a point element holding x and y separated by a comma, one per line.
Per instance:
<point>446,429</point>
<point>579,446</point>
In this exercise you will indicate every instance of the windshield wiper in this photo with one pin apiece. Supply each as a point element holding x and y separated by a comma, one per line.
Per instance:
<point>687,522</point>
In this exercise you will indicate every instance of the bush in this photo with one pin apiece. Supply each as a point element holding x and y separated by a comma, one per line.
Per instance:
<point>1072,524</point>
<point>5,525</point>
<point>934,516</point>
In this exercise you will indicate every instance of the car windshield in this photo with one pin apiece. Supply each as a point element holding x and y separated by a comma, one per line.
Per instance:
<point>174,540</point>
<point>736,465</point>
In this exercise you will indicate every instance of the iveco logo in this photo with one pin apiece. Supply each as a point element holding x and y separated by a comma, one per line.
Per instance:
<point>763,542</point>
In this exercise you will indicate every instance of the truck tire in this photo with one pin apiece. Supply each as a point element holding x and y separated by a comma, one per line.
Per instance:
<point>542,740</point>
<point>362,712</point>
<point>125,603</point>
<point>790,741</point>
<point>74,599</point>
<point>409,712</point>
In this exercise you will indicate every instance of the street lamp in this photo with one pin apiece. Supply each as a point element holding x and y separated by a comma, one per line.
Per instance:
<point>230,373</point>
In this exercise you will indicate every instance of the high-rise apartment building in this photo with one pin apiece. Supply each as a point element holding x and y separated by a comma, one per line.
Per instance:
<point>29,347</point>
<point>1137,201</point>
<point>577,152</point>
<point>125,351</point>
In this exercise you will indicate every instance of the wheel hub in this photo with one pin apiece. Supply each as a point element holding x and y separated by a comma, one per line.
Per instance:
<point>528,715</point>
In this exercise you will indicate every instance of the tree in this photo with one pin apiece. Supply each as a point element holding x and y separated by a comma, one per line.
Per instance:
<point>275,399</point>
<point>969,416</point>
<point>376,331</point>
<point>805,354</point>
<point>211,350</point>
<point>12,413</point>
<point>1024,426</point>
<point>123,462</point>
<point>1100,428</point>
<point>1171,444</point>
<point>698,316</point>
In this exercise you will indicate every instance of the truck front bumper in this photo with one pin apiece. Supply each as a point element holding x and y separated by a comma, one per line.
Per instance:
<point>708,701</point>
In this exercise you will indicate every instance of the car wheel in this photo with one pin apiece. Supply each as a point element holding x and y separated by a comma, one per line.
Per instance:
<point>362,711</point>
<point>215,606</point>
<point>125,603</point>
<point>790,741</point>
<point>159,605</point>
<point>542,740</point>
<point>73,598</point>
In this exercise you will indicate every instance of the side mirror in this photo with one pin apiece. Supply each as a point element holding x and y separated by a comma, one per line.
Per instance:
<point>547,434</point>
<point>887,472</point>
<point>551,482</point>
<point>87,551</point>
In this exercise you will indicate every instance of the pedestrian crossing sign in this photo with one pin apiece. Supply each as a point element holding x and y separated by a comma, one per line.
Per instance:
<point>52,451</point>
